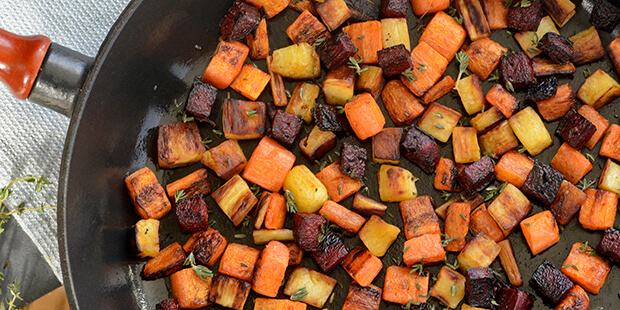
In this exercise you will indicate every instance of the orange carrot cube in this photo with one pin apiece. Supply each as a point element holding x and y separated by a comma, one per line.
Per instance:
<point>194,184</point>
<point>189,289</point>
<point>147,195</point>
<point>423,7</point>
<point>278,304</point>
<point>554,108</point>
<point>238,261</point>
<point>514,167</point>
<point>365,116</point>
<point>484,56</point>
<point>446,175</point>
<point>571,163</point>
<point>367,37</point>
<point>540,231</point>
<point>598,211</point>
<point>348,220</point>
<point>272,7</point>
<point>482,221</point>
<point>457,225</point>
<point>250,82</point>
<point>402,106</point>
<point>362,266</point>
<point>444,34</point>
<point>258,42</point>
<point>611,143</point>
<point>435,64</point>
<point>338,185</point>
<point>269,165</point>
<point>584,267</point>
<point>502,100</point>
<point>271,269</point>
<point>225,64</point>
<point>427,248</point>
<point>419,217</point>
<point>401,286</point>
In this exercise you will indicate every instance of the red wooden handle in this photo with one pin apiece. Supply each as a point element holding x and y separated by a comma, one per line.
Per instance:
<point>20,60</point>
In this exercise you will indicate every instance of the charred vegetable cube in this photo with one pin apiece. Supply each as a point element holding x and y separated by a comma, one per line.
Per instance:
<point>484,56</point>
<point>192,214</point>
<point>147,195</point>
<point>575,129</point>
<point>317,143</point>
<point>394,60</point>
<point>546,67</point>
<point>587,46</point>
<point>360,297</point>
<point>229,292</point>
<point>481,287</point>
<point>560,10</point>
<point>332,251</point>
<point>240,20</point>
<point>285,127</point>
<point>179,144</point>
<point>296,254</point>
<point>207,246</point>
<point>353,161</point>
<point>551,282</point>
<point>339,186</point>
<point>235,199</point>
<point>567,202</point>
<point>498,140</point>
<point>242,120</point>
<point>147,237</point>
<point>363,10</point>
<point>449,288</point>
<point>605,16</point>
<point>522,17</point>
<point>477,176</point>
<point>168,304</point>
<point>465,145</point>
<point>609,180</point>
<point>165,263</point>
<point>195,184</point>
<point>557,47</point>
<point>327,118</point>
<point>478,252</point>
<point>516,70</point>
<point>317,286</point>
<point>339,85</point>
<point>333,13</point>
<point>366,206</point>
<point>421,149</point>
<point>362,266</point>
<point>543,183</point>
<point>335,51</point>
<point>446,176</point>
<point>201,100</point>
<point>370,81</point>
<point>528,40</point>
<point>577,299</point>
<point>556,107</point>
<point>544,89</point>
<point>598,89</point>
<point>226,159</point>
<point>509,208</point>
<point>239,261</point>
<point>474,20</point>
<point>189,289</point>
<point>512,298</point>
<point>402,106</point>
<point>610,245</point>
<point>386,146</point>
<point>308,230</point>
<point>307,28</point>
<point>394,8</point>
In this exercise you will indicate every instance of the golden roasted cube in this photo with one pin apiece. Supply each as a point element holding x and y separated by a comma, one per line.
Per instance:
<point>333,13</point>
<point>438,121</point>
<point>396,184</point>
<point>318,143</point>
<point>303,100</point>
<point>479,252</point>
<point>229,292</point>
<point>527,39</point>
<point>305,189</point>
<point>395,31</point>
<point>498,140</point>
<point>587,46</point>
<point>339,85</point>
<point>299,61</point>
<point>378,236</point>
<point>235,198</point>
<point>226,159</point>
<point>179,144</point>
<point>610,177</point>
<point>465,145</point>
<point>509,208</point>
<point>370,81</point>
<point>598,89</point>
<point>531,131</point>
<point>147,195</point>
<point>487,119</point>
<point>471,94</point>
<point>449,288</point>
<point>560,10</point>
<point>317,286</point>
<point>244,120</point>
<point>147,237</point>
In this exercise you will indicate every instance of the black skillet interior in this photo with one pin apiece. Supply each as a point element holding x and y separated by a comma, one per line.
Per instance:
<point>144,71</point>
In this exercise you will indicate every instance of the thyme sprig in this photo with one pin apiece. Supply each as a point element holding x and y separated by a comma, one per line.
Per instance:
<point>463,59</point>
<point>355,64</point>
<point>201,271</point>
<point>6,192</point>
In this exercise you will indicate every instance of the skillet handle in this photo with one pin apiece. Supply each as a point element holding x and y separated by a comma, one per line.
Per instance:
<point>20,60</point>
<point>46,73</point>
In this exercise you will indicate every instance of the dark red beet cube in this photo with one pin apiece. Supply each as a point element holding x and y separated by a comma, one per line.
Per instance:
<point>327,118</point>
<point>394,8</point>
<point>201,100</point>
<point>421,149</point>
<point>575,129</point>
<point>551,282</point>
<point>544,89</point>
<point>240,20</point>
<point>557,47</point>
<point>394,60</point>
<point>335,51</point>
<point>477,176</point>
<point>168,304</point>
<point>605,16</point>
<point>192,214</point>
<point>517,70</point>
<point>285,127</point>
<point>332,252</point>
<point>510,298</point>
<point>610,246</point>
<point>353,161</point>
<point>307,230</point>
<point>481,287</point>
<point>543,183</point>
<point>524,17</point>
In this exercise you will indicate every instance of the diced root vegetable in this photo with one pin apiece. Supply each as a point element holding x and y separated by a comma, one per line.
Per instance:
<point>147,195</point>
<point>419,82</point>
<point>531,131</point>
<point>551,282</point>
<point>540,231</point>
<point>439,121</point>
<point>584,269</point>
<point>396,184</point>
<point>179,144</point>
<point>305,189</point>
<point>401,286</point>
<point>166,262</point>
<point>567,202</point>
<point>378,236</point>
<point>509,263</point>
<point>560,10</point>
<point>449,288</point>
<point>509,208</point>
<point>318,286</point>
<point>474,19</point>
<point>235,199</point>
<point>402,106</point>
<point>479,252</point>
<point>571,163</point>
<point>598,211</point>
<point>444,34</point>
<point>470,91</point>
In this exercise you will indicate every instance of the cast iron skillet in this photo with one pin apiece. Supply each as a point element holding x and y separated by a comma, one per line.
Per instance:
<point>143,71</point>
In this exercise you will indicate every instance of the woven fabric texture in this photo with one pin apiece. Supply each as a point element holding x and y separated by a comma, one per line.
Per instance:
<point>31,137</point>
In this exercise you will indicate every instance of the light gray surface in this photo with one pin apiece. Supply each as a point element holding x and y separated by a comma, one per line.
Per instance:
<point>31,137</point>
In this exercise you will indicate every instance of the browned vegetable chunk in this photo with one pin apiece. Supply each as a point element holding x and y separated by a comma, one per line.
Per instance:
<point>201,100</point>
<point>402,106</point>
<point>179,144</point>
<point>229,292</point>
<point>543,183</point>
<point>333,12</point>
<point>567,202</point>
<point>332,251</point>
<point>605,16</point>
<point>240,20</point>
<point>353,161</point>
<point>514,299</point>
<point>395,60</point>
<point>560,10</point>
<point>394,8</point>
<point>307,29</point>
<point>575,129</point>
<point>421,149</point>
<point>587,46</point>
<point>516,70</point>
<point>244,119</point>
<point>522,17</point>
<point>363,10</point>
<point>474,20</point>
<point>308,228</point>
<point>318,143</point>
<point>386,146</point>
<point>167,262</point>
<point>551,282</point>
<point>557,47</point>
<point>285,127</point>
<point>481,287</point>
<point>192,214</point>
<point>610,245</point>
<point>327,118</point>
<point>545,89</point>
<point>477,176</point>
<point>545,67</point>
<point>362,298</point>
<point>367,207</point>
<point>147,195</point>
<point>335,51</point>
<point>207,246</point>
